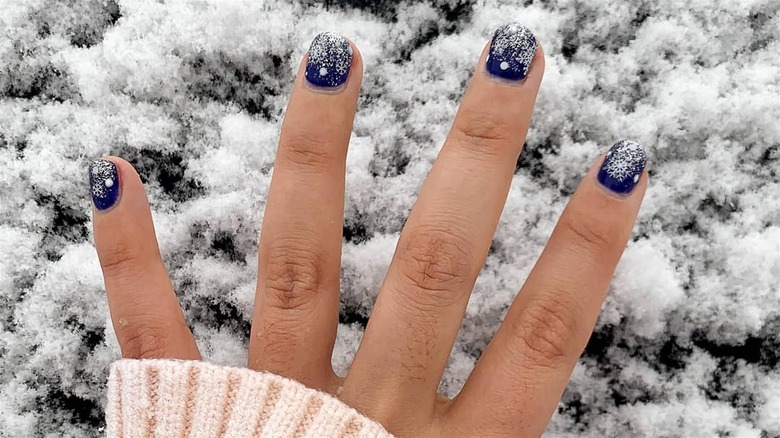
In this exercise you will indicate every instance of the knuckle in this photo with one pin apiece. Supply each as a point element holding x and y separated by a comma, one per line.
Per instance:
<point>433,266</point>
<point>483,132</point>
<point>121,260</point>
<point>588,232</point>
<point>293,276</point>
<point>144,342</point>
<point>420,350</point>
<point>544,331</point>
<point>307,151</point>
<point>278,342</point>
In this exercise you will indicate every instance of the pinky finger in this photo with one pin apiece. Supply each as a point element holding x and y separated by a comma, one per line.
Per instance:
<point>144,310</point>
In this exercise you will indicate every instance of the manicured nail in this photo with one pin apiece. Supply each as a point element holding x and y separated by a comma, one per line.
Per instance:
<point>104,184</point>
<point>623,166</point>
<point>330,57</point>
<point>511,51</point>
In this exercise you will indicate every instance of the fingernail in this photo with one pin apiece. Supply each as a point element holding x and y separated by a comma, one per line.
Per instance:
<point>103,183</point>
<point>622,167</point>
<point>330,57</point>
<point>511,51</point>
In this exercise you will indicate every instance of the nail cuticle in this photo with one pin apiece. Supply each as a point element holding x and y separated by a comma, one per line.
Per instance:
<point>324,90</point>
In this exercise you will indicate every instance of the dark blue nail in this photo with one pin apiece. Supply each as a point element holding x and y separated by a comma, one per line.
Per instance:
<point>511,51</point>
<point>103,183</point>
<point>330,57</point>
<point>623,166</point>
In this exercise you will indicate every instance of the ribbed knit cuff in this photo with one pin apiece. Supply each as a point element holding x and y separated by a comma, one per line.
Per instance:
<point>173,398</point>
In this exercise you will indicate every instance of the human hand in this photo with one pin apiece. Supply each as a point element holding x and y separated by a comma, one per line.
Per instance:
<point>520,377</point>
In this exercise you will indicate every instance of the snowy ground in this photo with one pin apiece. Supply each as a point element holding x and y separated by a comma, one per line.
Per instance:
<point>687,344</point>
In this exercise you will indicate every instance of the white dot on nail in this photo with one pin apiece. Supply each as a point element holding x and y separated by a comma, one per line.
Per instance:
<point>323,71</point>
<point>636,178</point>
<point>504,65</point>
<point>109,182</point>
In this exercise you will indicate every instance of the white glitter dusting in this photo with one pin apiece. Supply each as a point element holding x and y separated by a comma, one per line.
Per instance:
<point>102,177</point>
<point>331,53</point>
<point>519,41</point>
<point>625,159</point>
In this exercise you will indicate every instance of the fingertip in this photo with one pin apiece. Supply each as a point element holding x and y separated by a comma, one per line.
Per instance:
<point>356,70</point>
<point>538,64</point>
<point>357,57</point>
<point>126,169</point>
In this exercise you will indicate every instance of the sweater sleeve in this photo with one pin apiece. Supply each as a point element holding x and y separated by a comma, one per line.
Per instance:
<point>173,398</point>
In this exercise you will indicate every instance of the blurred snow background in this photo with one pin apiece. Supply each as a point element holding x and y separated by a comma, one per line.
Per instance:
<point>687,344</point>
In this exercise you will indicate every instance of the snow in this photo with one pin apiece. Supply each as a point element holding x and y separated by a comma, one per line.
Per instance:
<point>193,94</point>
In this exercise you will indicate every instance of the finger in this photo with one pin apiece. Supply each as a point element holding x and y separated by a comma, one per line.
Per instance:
<point>296,305</point>
<point>523,372</point>
<point>144,310</point>
<point>448,233</point>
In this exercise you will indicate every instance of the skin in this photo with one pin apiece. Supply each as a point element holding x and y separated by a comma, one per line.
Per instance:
<point>520,377</point>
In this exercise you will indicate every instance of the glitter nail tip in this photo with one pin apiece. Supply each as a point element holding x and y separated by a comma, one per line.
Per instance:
<point>330,57</point>
<point>511,52</point>
<point>622,167</point>
<point>103,183</point>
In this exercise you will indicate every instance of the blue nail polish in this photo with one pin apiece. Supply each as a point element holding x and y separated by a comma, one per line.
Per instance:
<point>103,183</point>
<point>622,166</point>
<point>330,57</point>
<point>511,51</point>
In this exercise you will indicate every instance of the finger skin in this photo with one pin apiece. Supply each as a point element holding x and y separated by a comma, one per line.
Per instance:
<point>145,312</point>
<point>296,302</point>
<point>520,378</point>
<point>441,251</point>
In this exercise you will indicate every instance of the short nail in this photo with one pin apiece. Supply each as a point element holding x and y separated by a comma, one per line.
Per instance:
<point>103,183</point>
<point>511,51</point>
<point>622,167</point>
<point>330,57</point>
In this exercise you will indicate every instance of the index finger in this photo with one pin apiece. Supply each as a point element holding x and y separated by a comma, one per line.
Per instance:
<point>518,381</point>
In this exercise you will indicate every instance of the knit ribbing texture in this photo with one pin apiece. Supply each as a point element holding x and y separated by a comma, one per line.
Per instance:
<point>192,399</point>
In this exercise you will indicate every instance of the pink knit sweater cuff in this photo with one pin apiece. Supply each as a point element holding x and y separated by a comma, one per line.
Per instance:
<point>172,398</point>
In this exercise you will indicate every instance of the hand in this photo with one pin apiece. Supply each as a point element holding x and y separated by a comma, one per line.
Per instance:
<point>516,384</point>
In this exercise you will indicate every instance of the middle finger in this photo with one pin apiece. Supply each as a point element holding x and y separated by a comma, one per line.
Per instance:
<point>447,236</point>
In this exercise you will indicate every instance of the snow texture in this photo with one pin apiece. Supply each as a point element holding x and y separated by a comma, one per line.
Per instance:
<point>193,94</point>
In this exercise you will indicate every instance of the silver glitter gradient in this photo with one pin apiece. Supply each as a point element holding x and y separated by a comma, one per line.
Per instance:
<point>332,52</point>
<point>625,159</point>
<point>519,40</point>
<point>101,171</point>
